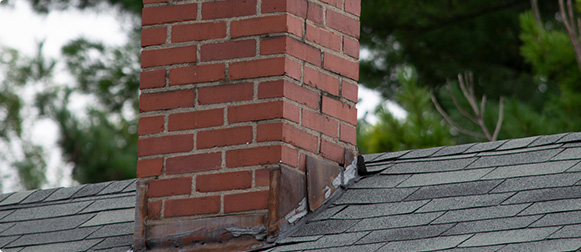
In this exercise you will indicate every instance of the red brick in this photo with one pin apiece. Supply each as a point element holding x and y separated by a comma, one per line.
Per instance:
<point>348,134</point>
<point>323,37</point>
<point>167,100</point>
<point>261,177</point>
<point>315,13</point>
<point>351,47</point>
<point>224,181</point>
<point>197,74</point>
<point>263,111</point>
<point>264,68</point>
<point>228,8</point>
<point>228,50</point>
<point>288,134</point>
<point>192,206</point>
<point>193,163</point>
<point>283,88</point>
<point>196,119</point>
<point>198,31</point>
<point>266,25</point>
<point>322,81</point>
<point>168,56</point>
<point>332,151</point>
<point>302,162</point>
<point>149,167</point>
<point>152,79</point>
<point>150,125</point>
<point>154,210</point>
<point>353,7</point>
<point>226,93</point>
<point>224,137</point>
<point>296,7</point>
<point>261,156</point>
<point>320,123</point>
<point>153,36</point>
<point>290,46</point>
<point>165,144</point>
<point>245,201</point>
<point>336,3</point>
<point>342,66</point>
<point>169,14</point>
<point>349,90</point>
<point>339,110</point>
<point>342,23</point>
<point>169,187</point>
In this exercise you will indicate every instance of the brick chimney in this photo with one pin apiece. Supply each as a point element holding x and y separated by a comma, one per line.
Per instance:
<point>247,117</point>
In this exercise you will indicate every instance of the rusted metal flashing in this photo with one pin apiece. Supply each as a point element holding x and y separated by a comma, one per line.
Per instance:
<point>323,179</point>
<point>139,230</point>
<point>287,199</point>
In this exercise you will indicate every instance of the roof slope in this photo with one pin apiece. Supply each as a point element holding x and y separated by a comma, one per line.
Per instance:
<point>515,195</point>
<point>93,217</point>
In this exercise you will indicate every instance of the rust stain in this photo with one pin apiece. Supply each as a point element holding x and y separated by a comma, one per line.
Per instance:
<point>320,177</point>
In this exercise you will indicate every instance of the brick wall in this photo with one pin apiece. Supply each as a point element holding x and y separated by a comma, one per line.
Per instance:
<point>230,89</point>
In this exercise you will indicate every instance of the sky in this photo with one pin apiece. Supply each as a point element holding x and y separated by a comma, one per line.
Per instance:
<point>21,28</point>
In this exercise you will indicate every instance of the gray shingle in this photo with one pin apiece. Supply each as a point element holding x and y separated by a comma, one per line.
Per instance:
<point>90,190</point>
<point>390,155</point>
<point>545,194</point>
<point>116,186</point>
<point>49,211</point>
<point>377,210</point>
<point>514,159</point>
<point>571,231</point>
<point>64,193</point>
<point>477,249</point>
<point>407,233</point>
<point>510,236</point>
<point>575,168</point>
<point>327,241</point>
<point>328,213</point>
<point>4,214</point>
<point>110,217</point>
<point>131,187</point>
<point>52,237</point>
<point>116,249</point>
<point>529,169</point>
<point>63,247</point>
<point>517,143</point>
<point>486,146</point>
<point>395,221</point>
<point>377,167</point>
<point>553,219</point>
<point>553,206</point>
<point>381,181</point>
<point>113,230</point>
<point>464,202</point>
<point>47,225</point>
<point>544,140</point>
<point>520,151</point>
<point>367,196</point>
<point>420,153</point>
<point>110,204</point>
<point>480,213</point>
<point>571,137</point>
<point>571,153</point>
<point>115,241</point>
<point>544,246</point>
<point>324,227</point>
<point>429,244</point>
<point>459,189</point>
<point>297,239</point>
<point>444,177</point>
<point>6,240</point>
<point>452,150</point>
<point>538,182</point>
<point>15,198</point>
<point>38,195</point>
<point>429,166</point>
<point>492,225</point>
<point>354,248</point>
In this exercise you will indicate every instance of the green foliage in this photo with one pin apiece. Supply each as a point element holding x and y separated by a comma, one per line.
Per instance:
<point>44,6</point>
<point>422,127</point>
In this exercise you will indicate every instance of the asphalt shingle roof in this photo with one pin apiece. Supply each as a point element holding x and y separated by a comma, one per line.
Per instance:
<point>93,217</point>
<point>511,195</point>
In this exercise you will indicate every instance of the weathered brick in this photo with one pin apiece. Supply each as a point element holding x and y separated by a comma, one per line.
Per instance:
<point>196,119</point>
<point>225,181</point>
<point>150,125</point>
<point>262,177</point>
<point>165,144</point>
<point>323,37</point>
<point>353,7</point>
<point>228,50</point>
<point>228,8</point>
<point>167,100</point>
<point>349,90</point>
<point>197,74</point>
<point>198,31</point>
<point>152,79</point>
<point>245,201</point>
<point>266,25</point>
<point>261,156</point>
<point>320,123</point>
<point>283,88</point>
<point>288,134</point>
<point>342,23</point>
<point>339,110</point>
<point>336,3</point>
<point>342,66</point>
<point>169,187</point>
<point>193,163</point>
<point>315,13</point>
<point>169,14</point>
<point>323,81</point>
<point>149,167</point>
<point>296,7</point>
<point>226,93</point>
<point>224,137</point>
<point>154,210</point>
<point>265,67</point>
<point>332,151</point>
<point>351,47</point>
<point>168,56</point>
<point>290,46</point>
<point>348,134</point>
<point>192,206</point>
<point>153,36</point>
<point>263,111</point>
